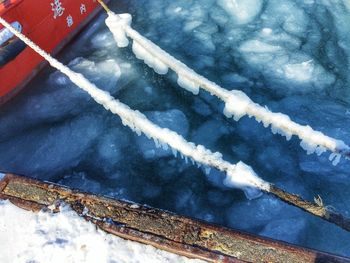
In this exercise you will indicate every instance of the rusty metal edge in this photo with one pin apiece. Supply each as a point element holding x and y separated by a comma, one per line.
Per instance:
<point>208,243</point>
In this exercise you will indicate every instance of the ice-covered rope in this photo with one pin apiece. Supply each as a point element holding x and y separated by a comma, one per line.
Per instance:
<point>238,175</point>
<point>237,103</point>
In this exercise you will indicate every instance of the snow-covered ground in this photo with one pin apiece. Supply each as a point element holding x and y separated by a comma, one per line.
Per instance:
<point>65,237</point>
<point>290,55</point>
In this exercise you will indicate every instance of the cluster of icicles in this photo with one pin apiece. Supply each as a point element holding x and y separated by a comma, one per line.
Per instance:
<point>237,103</point>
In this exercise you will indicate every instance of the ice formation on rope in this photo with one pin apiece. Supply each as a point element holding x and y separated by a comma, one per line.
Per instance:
<point>119,34</point>
<point>239,176</point>
<point>237,103</point>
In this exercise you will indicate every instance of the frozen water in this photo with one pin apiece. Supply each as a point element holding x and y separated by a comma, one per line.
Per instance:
<point>210,132</point>
<point>50,150</point>
<point>290,229</point>
<point>292,56</point>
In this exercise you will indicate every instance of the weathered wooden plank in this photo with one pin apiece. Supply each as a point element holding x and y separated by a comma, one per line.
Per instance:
<point>164,230</point>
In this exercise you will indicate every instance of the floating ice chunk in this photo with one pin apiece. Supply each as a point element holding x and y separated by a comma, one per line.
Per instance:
<point>209,133</point>
<point>243,177</point>
<point>301,72</point>
<point>242,11</point>
<point>257,46</point>
<point>116,23</point>
<point>188,84</point>
<point>151,61</point>
<point>266,31</point>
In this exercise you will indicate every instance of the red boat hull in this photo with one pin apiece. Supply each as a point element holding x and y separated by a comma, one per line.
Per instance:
<point>49,23</point>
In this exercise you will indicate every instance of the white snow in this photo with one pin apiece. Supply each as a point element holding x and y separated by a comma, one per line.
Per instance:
<point>2,176</point>
<point>66,237</point>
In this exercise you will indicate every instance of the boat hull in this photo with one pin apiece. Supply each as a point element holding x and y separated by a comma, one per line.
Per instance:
<point>49,23</point>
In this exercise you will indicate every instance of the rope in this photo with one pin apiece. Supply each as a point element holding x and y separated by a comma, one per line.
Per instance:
<point>237,103</point>
<point>139,123</point>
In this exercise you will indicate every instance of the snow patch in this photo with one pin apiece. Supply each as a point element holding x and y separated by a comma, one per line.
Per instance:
<point>66,237</point>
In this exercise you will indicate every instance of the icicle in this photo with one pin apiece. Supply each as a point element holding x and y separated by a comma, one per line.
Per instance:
<point>188,84</point>
<point>192,161</point>
<point>186,159</point>
<point>150,60</point>
<point>334,158</point>
<point>156,142</point>
<point>174,152</point>
<point>320,150</point>
<point>207,170</point>
<point>308,147</point>
<point>138,132</point>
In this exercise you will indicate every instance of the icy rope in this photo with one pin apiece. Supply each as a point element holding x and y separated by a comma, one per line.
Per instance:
<point>237,103</point>
<point>238,175</point>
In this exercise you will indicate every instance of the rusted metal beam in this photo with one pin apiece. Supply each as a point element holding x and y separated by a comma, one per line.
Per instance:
<point>164,230</point>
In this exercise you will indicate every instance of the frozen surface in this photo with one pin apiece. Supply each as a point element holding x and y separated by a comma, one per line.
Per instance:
<point>66,237</point>
<point>292,56</point>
